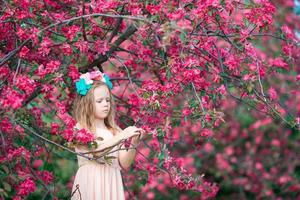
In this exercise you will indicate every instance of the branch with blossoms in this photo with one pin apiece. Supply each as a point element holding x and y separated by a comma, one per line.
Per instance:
<point>179,60</point>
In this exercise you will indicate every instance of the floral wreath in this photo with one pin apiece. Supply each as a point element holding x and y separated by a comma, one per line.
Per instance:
<point>84,84</point>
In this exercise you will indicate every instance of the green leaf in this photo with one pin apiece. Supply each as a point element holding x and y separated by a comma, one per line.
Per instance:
<point>144,179</point>
<point>223,3</point>
<point>281,70</point>
<point>218,17</point>
<point>6,186</point>
<point>183,36</point>
<point>246,22</point>
<point>214,98</point>
<point>5,168</point>
<point>161,156</point>
<point>168,73</point>
<point>160,133</point>
<point>185,118</point>
<point>250,88</point>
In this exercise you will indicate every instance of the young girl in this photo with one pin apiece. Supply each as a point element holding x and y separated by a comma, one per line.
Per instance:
<point>93,110</point>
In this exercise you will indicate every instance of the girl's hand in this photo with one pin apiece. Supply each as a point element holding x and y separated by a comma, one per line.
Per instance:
<point>136,139</point>
<point>130,132</point>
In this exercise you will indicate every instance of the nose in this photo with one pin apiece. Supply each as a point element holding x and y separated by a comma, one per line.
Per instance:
<point>106,103</point>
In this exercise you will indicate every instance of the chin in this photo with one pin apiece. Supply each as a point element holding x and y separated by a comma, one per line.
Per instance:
<point>101,117</point>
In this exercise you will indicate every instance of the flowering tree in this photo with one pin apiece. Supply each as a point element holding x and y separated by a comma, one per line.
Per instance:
<point>177,67</point>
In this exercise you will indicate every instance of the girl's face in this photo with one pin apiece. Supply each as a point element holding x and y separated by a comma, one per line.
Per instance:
<point>102,102</point>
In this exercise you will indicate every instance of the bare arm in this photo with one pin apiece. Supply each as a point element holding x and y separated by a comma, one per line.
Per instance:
<point>126,158</point>
<point>103,146</point>
<point>107,145</point>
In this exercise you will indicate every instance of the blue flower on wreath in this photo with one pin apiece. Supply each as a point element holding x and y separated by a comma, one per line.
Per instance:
<point>81,87</point>
<point>107,81</point>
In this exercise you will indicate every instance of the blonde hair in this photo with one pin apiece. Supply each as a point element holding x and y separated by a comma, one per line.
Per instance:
<point>83,110</point>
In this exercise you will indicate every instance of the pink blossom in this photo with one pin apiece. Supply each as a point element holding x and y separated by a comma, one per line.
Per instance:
<point>11,98</point>
<point>154,143</point>
<point>101,46</point>
<point>208,147</point>
<point>279,62</point>
<point>21,151</point>
<point>273,93</point>
<point>153,9</point>
<point>84,136</point>
<point>68,135</point>
<point>26,187</point>
<point>54,128</point>
<point>288,32</point>
<point>71,31</point>
<point>20,130</point>
<point>6,125</point>
<point>22,33</point>
<point>4,72</point>
<point>191,185</point>
<point>186,112</point>
<point>26,84</point>
<point>24,52</point>
<point>82,46</point>
<point>73,73</point>
<point>151,85</point>
<point>208,190</point>
<point>179,182</point>
<point>184,24</point>
<point>178,14</point>
<point>50,68</point>
<point>206,133</point>
<point>45,46</point>
<point>67,50</point>
<point>37,163</point>
<point>150,195</point>
<point>46,176</point>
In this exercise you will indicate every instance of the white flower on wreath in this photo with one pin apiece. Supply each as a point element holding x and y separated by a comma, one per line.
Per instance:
<point>86,78</point>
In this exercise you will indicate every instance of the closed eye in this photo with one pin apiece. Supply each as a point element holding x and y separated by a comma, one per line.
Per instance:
<point>107,100</point>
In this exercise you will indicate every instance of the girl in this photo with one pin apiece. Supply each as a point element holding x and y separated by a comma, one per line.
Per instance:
<point>93,110</point>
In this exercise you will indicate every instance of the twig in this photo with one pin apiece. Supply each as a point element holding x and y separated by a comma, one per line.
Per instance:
<point>128,75</point>
<point>260,84</point>
<point>17,70</point>
<point>103,58</point>
<point>198,97</point>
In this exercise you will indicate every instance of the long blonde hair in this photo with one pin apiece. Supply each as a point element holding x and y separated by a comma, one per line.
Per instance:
<point>83,110</point>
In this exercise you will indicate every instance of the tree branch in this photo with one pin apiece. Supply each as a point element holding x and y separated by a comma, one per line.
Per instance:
<point>131,29</point>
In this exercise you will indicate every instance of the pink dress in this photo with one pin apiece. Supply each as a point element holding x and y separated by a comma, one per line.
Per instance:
<point>94,181</point>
